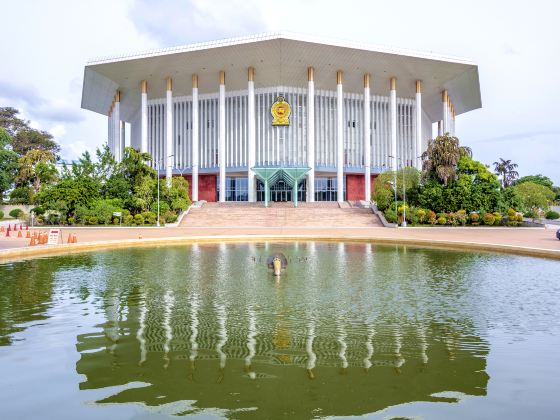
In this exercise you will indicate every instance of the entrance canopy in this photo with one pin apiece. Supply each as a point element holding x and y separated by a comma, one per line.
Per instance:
<point>290,175</point>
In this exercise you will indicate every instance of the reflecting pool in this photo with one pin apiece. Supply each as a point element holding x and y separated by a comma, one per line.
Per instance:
<point>347,330</point>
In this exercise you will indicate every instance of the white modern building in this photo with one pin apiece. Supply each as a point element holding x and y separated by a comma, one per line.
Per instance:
<point>279,116</point>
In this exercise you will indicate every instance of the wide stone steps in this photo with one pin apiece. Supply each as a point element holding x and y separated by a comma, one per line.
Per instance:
<point>254,215</point>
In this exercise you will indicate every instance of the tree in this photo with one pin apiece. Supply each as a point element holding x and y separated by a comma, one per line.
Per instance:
<point>439,161</point>
<point>10,122</point>
<point>8,164</point>
<point>386,179</point>
<point>537,179</point>
<point>36,168</point>
<point>534,196</point>
<point>506,169</point>
<point>29,139</point>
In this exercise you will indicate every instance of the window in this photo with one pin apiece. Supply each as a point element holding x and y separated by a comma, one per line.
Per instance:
<point>325,189</point>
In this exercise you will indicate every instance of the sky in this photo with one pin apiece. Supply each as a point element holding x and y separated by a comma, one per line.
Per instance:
<point>516,45</point>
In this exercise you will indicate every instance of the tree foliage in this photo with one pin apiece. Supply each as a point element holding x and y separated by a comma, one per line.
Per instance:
<point>535,196</point>
<point>439,161</point>
<point>507,170</point>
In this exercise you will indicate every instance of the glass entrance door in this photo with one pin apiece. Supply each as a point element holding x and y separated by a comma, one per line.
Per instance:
<point>281,191</point>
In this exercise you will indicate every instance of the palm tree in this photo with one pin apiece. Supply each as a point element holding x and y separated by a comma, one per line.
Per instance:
<point>506,169</point>
<point>440,159</point>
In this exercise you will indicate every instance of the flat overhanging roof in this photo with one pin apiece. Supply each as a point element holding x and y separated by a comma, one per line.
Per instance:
<point>280,59</point>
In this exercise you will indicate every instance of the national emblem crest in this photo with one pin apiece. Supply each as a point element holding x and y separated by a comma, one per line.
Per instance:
<point>280,111</point>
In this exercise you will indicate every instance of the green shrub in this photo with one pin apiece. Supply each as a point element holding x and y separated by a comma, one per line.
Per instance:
<point>53,218</point>
<point>511,213</point>
<point>16,213</point>
<point>170,216</point>
<point>92,220</point>
<point>442,220</point>
<point>497,217</point>
<point>41,219</point>
<point>552,215</point>
<point>138,219</point>
<point>128,219</point>
<point>488,219</point>
<point>38,210</point>
<point>530,214</point>
<point>149,217</point>
<point>116,220</point>
<point>71,220</point>
<point>519,218</point>
<point>421,214</point>
<point>384,198</point>
<point>1,214</point>
<point>391,215</point>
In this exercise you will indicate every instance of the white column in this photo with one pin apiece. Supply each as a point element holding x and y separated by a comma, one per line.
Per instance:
<point>367,139</point>
<point>169,132</point>
<point>116,127</point>
<point>339,138</point>
<point>311,134</point>
<point>393,123</point>
<point>445,112</point>
<point>418,148</point>
<point>252,137</point>
<point>222,136</point>
<point>195,138</point>
<point>144,117</point>
<point>440,127</point>
<point>123,137</point>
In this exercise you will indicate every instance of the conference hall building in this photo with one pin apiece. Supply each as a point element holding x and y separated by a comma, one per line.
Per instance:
<point>279,117</point>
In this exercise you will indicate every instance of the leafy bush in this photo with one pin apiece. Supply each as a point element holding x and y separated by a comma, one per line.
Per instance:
<point>41,219</point>
<point>1,214</point>
<point>461,217</point>
<point>170,217</point>
<point>92,220</point>
<point>552,215</point>
<point>53,218</point>
<point>16,213</point>
<point>391,215</point>
<point>474,218</point>
<point>71,220</point>
<point>488,219</point>
<point>38,210</point>
<point>497,217</point>
<point>530,214</point>
<point>138,219</point>
<point>149,217</point>
<point>384,198</point>
<point>421,214</point>
<point>441,220</point>
<point>432,217</point>
<point>128,219</point>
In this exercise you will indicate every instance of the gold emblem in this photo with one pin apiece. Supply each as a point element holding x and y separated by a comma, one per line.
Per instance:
<point>280,111</point>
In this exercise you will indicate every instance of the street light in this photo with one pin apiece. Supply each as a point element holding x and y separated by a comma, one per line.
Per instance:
<point>403,224</point>
<point>157,162</point>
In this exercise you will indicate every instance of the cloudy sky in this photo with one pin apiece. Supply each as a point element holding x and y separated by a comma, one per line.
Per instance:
<point>515,43</point>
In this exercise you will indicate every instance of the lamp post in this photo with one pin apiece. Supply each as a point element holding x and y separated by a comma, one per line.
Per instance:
<point>157,162</point>
<point>403,224</point>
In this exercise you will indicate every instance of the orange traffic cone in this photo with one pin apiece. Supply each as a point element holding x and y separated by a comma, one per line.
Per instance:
<point>19,234</point>
<point>69,240</point>
<point>28,235</point>
<point>2,229</point>
<point>33,241</point>
<point>74,239</point>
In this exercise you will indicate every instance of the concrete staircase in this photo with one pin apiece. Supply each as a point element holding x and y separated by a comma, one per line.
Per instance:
<point>255,215</point>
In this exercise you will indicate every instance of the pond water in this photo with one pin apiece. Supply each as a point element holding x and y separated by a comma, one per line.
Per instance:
<point>347,330</point>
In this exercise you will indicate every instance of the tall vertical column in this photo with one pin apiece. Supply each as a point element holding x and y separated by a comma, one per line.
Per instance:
<point>393,99</point>
<point>222,136</point>
<point>339,138</point>
<point>445,111</point>
<point>367,139</point>
<point>144,117</point>
<point>252,138</point>
<point>116,127</point>
<point>311,134</point>
<point>169,131</point>
<point>418,148</point>
<point>195,138</point>
<point>123,137</point>
<point>440,127</point>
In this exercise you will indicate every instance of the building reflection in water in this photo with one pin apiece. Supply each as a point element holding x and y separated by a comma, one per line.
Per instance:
<point>267,339</point>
